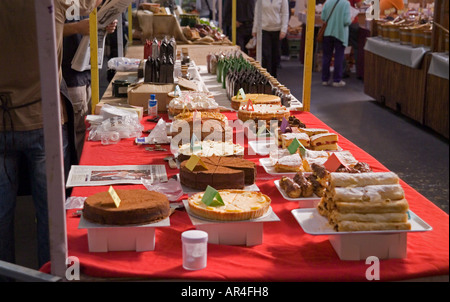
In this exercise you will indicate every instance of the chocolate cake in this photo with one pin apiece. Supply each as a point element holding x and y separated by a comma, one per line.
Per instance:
<point>221,173</point>
<point>136,207</point>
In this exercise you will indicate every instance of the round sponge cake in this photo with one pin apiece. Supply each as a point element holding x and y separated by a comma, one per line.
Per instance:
<point>136,207</point>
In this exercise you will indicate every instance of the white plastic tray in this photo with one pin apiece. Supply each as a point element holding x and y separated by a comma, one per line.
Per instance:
<point>311,201</point>
<point>262,146</point>
<point>315,224</point>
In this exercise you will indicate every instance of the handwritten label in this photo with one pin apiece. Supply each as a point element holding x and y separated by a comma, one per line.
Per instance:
<point>250,106</point>
<point>114,196</point>
<point>195,144</point>
<point>296,145</point>
<point>333,163</point>
<point>284,125</point>
<point>241,94</point>
<point>212,197</point>
<point>193,161</point>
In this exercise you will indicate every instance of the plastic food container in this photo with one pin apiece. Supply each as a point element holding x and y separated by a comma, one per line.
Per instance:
<point>195,244</point>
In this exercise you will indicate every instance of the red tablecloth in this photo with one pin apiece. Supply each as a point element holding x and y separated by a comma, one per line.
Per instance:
<point>287,252</point>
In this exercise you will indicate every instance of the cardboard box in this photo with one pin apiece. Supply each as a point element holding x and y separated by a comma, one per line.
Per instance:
<point>106,238</point>
<point>139,110</point>
<point>139,94</point>
<point>248,233</point>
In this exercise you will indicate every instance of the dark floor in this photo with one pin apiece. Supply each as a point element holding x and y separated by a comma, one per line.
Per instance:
<point>417,155</point>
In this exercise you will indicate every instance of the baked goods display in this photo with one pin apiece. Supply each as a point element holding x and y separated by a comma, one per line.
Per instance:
<point>211,125</point>
<point>263,112</point>
<point>220,173</point>
<point>207,148</point>
<point>136,207</point>
<point>324,141</point>
<point>364,202</point>
<point>238,101</point>
<point>191,101</point>
<point>299,186</point>
<point>287,138</point>
<point>320,157</point>
<point>238,205</point>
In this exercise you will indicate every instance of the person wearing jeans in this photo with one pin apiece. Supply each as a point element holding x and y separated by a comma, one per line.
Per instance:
<point>274,24</point>
<point>28,145</point>
<point>335,39</point>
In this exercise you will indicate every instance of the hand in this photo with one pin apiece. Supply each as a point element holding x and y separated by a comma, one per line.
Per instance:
<point>111,27</point>
<point>282,35</point>
<point>238,24</point>
<point>254,35</point>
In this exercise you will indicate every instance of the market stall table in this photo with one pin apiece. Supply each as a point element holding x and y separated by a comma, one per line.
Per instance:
<point>287,252</point>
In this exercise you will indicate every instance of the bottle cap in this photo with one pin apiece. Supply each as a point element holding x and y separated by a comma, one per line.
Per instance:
<point>152,96</point>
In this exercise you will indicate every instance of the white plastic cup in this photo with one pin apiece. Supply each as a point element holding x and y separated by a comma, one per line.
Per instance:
<point>195,244</point>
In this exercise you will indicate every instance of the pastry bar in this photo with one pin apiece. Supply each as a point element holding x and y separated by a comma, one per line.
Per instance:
<point>221,173</point>
<point>136,207</point>
<point>238,205</point>
<point>289,163</point>
<point>263,112</point>
<point>287,138</point>
<point>280,133</point>
<point>313,131</point>
<point>236,103</point>
<point>364,202</point>
<point>324,141</point>
<point>209,148</point>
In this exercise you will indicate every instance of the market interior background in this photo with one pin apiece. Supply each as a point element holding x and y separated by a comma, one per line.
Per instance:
<point>417,154</point>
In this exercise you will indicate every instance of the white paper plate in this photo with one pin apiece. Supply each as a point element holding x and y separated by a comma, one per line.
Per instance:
<point>311,201</point>
<point>315,224</point>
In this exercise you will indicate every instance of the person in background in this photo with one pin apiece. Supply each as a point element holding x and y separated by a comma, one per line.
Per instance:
<point>206,8</point>
<point>21,117</point>
<point>335,39</point>
<point>353,37</point>
<point>391,4</point>
<point>245,10</point>
<point>78,82</point>
<point>274,24</point>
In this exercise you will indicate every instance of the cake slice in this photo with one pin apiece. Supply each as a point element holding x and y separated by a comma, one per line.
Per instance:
<point>287,138</point>
<point>324,141</point>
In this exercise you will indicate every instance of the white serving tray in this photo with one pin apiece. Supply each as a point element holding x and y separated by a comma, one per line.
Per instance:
<point>262,146</point>
<point>266,163</point>
<point>315,224</point>
<point>304,202</point>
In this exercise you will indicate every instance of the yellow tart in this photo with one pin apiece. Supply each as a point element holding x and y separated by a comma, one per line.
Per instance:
<point>238,205</point>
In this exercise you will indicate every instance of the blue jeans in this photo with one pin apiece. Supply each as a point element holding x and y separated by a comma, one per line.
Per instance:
<point>28,145</point>
<point>329,45</point>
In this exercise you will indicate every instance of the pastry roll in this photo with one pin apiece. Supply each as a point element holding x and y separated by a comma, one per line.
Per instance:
<point>395,206</point>
<point>354,226</point>
<point>342,179</point>
<point>373,193</point>
<point>336,217</point>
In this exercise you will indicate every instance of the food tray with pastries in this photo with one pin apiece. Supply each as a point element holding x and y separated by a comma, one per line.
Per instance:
<point>315,224</point>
